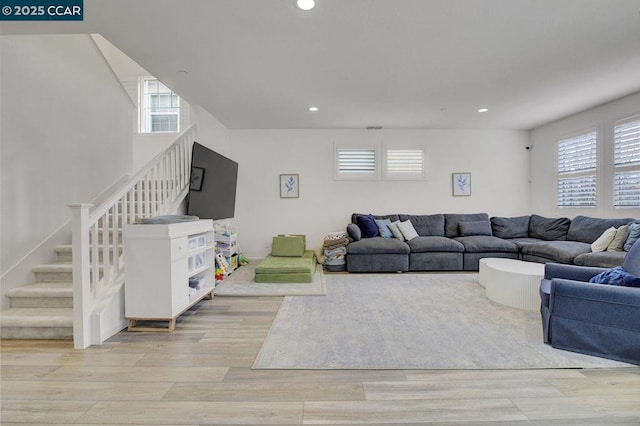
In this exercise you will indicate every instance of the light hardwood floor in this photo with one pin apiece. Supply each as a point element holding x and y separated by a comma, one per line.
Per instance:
<point>201,374</point>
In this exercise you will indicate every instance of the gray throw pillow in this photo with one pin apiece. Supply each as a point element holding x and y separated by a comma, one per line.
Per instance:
<point>634,234</point>
<point>510,227</point>
<point>467,229</point>
<point>397,233</point>
<point>431,225</point>
<point>549,229</point>
<point>452,220</point>
<point>354,232</point>
<point>587,229</point>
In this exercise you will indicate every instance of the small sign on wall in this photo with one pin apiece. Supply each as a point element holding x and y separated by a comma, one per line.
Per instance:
<point>289,186</point>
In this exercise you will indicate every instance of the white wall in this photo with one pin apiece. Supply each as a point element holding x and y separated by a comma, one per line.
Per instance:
<point>544,159</point>
<point>497,160</point>
<point>66,136</point>
<point>212,134</point>
<point>145,145</point>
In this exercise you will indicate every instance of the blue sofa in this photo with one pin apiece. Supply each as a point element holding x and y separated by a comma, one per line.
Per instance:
<point>455,242</point>
<point>594,319</point>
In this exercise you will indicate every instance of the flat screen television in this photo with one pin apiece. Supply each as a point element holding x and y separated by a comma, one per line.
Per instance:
<point>212,190</point>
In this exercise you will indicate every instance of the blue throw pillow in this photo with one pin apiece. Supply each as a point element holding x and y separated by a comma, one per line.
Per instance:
<point>634,234</point>
<point>367,225</point>
<point>616,276</point>
<point>383,228</point>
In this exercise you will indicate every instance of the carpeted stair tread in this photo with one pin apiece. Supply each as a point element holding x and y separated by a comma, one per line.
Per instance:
<point>44,289</point>
<point>37,317</point>
<point>67,249</point>
<point>54,267</point>
<point>66,267</point>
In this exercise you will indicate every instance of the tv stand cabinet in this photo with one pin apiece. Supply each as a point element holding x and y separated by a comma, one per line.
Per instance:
<point>169,268</point>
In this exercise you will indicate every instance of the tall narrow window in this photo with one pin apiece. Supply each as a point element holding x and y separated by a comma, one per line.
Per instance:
<point>404,163</point>
<point>159,107</point>
<point>356,163</point>
<point>577,166</point>
<point>626,177</point>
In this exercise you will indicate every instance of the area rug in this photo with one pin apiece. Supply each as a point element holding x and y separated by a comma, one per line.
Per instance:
<point>409,321</point>
<point>242,283</point>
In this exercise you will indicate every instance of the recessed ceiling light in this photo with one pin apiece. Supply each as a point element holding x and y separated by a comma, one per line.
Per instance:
<point>483,110</point>
<point>313,108</point>
<point>305,4</point>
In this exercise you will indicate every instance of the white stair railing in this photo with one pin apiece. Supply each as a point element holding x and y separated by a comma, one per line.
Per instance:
<point>98,265</point>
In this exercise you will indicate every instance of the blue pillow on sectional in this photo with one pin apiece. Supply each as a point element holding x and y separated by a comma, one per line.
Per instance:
<point>367,225</point>
<point>634,234</point>
<point>383,228</point>
<point>616,276</point>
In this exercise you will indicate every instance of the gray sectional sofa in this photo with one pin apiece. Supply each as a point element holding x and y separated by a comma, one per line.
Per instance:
<point>457,242</point>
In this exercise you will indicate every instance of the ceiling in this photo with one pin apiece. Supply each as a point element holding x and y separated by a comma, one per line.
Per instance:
<point>259,64</point>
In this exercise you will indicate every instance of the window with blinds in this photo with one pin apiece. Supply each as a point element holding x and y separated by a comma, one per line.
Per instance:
<point>159,107</point>
<point>626,178</point>
<point>577,166</point>
<point>358,163</point>
<point>404,163</point>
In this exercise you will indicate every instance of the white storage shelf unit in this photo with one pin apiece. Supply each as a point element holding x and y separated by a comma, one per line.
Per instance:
<point>227,243</point>
<point>161,260</point>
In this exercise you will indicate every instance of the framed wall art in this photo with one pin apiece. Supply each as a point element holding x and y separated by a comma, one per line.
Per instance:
<point>197,175</point>
<point>461,184</point>
<point>289,186</point>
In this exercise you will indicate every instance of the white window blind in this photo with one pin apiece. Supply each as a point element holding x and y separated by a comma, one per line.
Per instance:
<point>577,164</point>
<point>626,180</point>
<point>356,163</point>
<point>404,163</point>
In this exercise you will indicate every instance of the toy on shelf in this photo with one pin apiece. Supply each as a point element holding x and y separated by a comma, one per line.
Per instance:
<point>219,274</point>
<point>221,261</point>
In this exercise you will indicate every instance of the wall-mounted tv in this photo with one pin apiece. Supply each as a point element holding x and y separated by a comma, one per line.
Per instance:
<point>212,190</point>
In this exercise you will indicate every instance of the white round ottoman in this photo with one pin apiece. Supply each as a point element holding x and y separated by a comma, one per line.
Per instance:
<point>512,282</point>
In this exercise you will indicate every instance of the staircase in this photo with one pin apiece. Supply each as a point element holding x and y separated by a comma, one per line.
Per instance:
<point>44,309</point>
<point>88,306</point>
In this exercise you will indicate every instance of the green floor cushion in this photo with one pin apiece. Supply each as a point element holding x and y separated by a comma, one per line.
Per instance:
<point>288,246</point>
<point>275,269</point>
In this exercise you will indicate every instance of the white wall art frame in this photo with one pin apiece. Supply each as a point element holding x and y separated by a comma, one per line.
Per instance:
<point>289,186</point>
<point>461,184</point>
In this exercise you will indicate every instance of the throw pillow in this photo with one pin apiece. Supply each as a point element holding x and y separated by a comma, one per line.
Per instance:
<point>367,225</point>
<point>383,228</point>
<point>549,229</point>
<point>407,230</point>
<point>467,229</point>
<point>603,240</point>
<point>634,234</point>
<point>354,232</point>
<point>510,227</point>
<point>616,276</point>
<point>618,241</point>
<point>287,246</point>
<point>426,225</point>
<point>393,226</point>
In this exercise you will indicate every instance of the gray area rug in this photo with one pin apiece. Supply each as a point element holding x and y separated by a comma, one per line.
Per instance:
<point>242,283</point>
<point>409,321</point>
